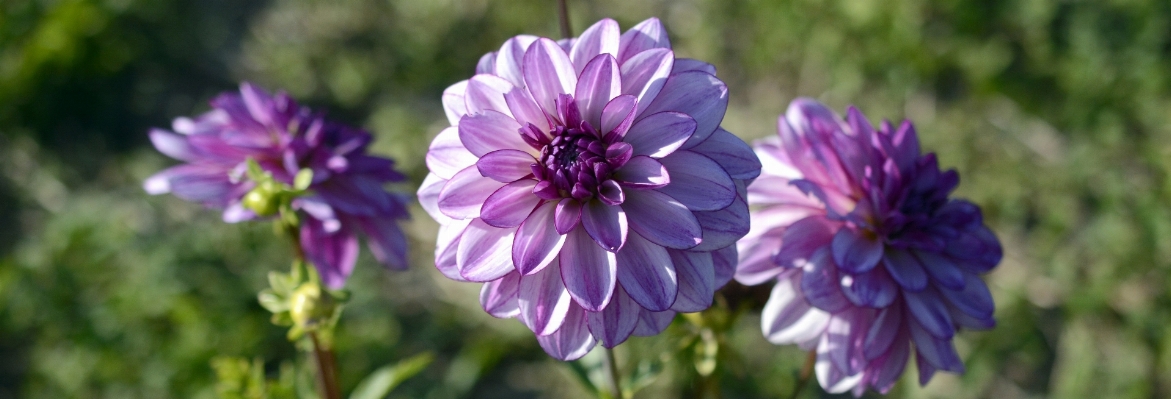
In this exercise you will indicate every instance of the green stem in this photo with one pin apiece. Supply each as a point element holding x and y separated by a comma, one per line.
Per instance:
<point>326,369</point>
<point>612,368</point>
<point>806,372</point>
<point>563,13</point>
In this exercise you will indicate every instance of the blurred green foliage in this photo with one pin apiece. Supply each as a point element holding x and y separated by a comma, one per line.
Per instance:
<point>1056,114</point>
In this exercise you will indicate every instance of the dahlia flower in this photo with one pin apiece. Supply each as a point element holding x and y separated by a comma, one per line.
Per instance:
<point>868,252</point>
<point>346,195</point>
<point>588,185</point>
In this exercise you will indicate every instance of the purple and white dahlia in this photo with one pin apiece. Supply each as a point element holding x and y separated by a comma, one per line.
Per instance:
<point>346,194</point>
<point>589,185</point>
<point>868,252</point>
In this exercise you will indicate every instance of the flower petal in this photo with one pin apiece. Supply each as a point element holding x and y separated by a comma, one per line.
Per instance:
<point>618,115</point>
<point>886,328</point>
<point>856,251</point>
<point>941,269</point>
<point>819,282</point>
<point>642,172</point>
<point>614,324</point>
<point>510,205</point>
<point>724,227</point>
<point>701,96</point>
<point>688,64</point>
<point>573,340</point>
<point>974,299</point>
<point>606,224</point>
<point>646,35</point>
<point>647,273</point>
<point>484,252</point>
<point>599,83</point>
<point>652,323</point>
<point>905,269</point>
<point>510,59</point>
<point>787,318</point>
<point>872,289</point>
<point>453,102</point>
<point>588,271</point>
<point>537,242</point>
<point>724,261</point>
<point>447,155</point>
<point>930,311</point>
<point>333,254</point>
<point>568,215</point>
<point>697,280</point>
<point>732,153</point>
<point>525,110</point>
<point>490,131</point>
<point>660,134</point>
<point>447,246</point>
<point>506,166</point>
<point>172,145</point>
<point>600,38</point>
<point>386,241</point>
<point>548,73</point>
<point>939,352</point>
<point>486,92</point>
<point>464,194</point>
<point>498,297</point>
<point>543,300</point>
<point>698,182</point>
<point>661,219</point>
<point>644,74</point>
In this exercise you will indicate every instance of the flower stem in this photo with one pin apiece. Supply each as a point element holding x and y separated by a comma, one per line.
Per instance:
<point>566,31</point>
<point>326,369</point>
<point>612,367</point>
<point>806,372</point>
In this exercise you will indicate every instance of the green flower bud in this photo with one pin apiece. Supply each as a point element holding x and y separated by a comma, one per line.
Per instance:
<point>264,199</point>
<point>309,307</point>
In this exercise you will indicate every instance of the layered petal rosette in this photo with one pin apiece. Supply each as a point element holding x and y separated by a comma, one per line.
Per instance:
<point>587,183</point>
<point>869,255</point>
<point>346,196</point>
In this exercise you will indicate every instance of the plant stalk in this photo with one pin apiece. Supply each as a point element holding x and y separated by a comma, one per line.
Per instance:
<point>806,372</point>
<point>326,369</point>
<point>615,379</point>
<point>563,12</point>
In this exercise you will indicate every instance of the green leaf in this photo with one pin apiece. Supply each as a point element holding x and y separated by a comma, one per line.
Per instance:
<point>379,383</point>
<point>303,179</point>
<point>255,172</point>
<point>273,302</point>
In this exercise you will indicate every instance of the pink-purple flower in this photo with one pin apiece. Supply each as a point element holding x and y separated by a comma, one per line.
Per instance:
<point>346,196</point>
<point>587,183</point>
<point>869,254</point>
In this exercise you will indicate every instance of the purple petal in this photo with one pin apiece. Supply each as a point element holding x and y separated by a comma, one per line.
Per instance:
<point>487,63</point>
<point>614,324</point>
<point>939,352</point>
<point>905,269</point>
<point>642,172</point>
<point>660,134</point>
<point>890,366</point>
<point>573,340</point>
<point>611,193</point>
<point>618,115</point>
<point>548,73</point>
<point>429,197</point>
<point>537,242</point>
<point>205,184</point>
<point>600,38</point>
<point>974,299</point>
<point>724,260</point>
<point>453,102</point>
<point>510,59</point>
<point>490,131</point>
<point>873,289</point>
<point>644,74</point>
<point>498,297</point>
<point>510,205</point>
<point>606,224</point>
<point>599,83</point>
<point>699,95</point>
<point>648,34</point>
<point>756,265</point>
<point>662,220</point>
<point>787,318</point>
<point>588,271</point>
<point>688,64</point>
<point>647,273</point>
<point>484,252</point>
<point>803,238</point>
<point>820,283</point>
<point>506,166</point>
<point>568,215</point>
<point>447,155</point>
<point>486,93</point>
<point>698,182</point>
<point>172,145</point>
<point>697,285</point>
<point>732,153</point>
<point>837,341</point>
<point>464,194</point>
<point>386,241</point>
<point>885,330</point>
<point>446,248</point>
<point>930,311</point>
<point>333,254</point>
<point>525,110</point>
<point>543,300</point>
<point>926,370</point>
<point>237,213</point>
<point>856,251</point>
<point>831,378</point>
<point>724,227</point>
<point>942,269</point>
<point>652,323</point>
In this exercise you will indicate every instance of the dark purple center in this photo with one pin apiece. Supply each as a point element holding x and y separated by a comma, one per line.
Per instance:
<point>576,161</point>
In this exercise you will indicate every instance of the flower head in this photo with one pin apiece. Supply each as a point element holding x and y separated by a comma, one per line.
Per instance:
<point>345,195</point>
<point>588,184</point>
<point>869,253</point>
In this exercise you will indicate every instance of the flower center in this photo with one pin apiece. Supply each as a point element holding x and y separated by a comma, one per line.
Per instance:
<point>575,161</point>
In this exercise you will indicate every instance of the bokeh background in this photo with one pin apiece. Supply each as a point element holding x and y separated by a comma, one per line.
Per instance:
<point>1057,115</point>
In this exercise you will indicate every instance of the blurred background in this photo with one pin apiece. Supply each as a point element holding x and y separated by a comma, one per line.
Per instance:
<point>1057,115</point>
